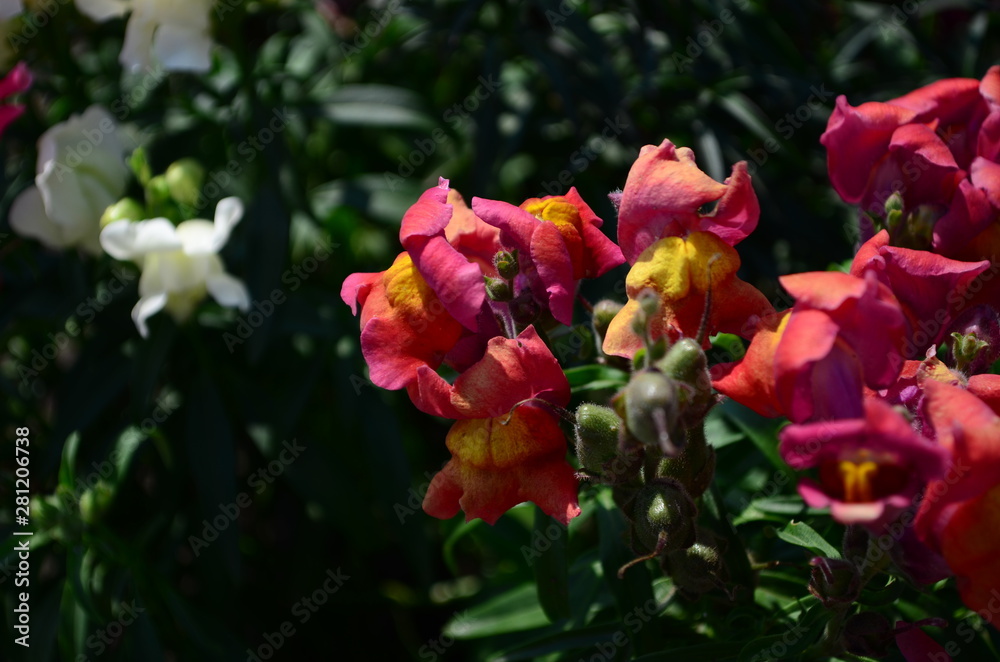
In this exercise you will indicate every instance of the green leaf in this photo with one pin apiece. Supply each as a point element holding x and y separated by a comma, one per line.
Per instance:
<point>584,375</point>
<point>377,105</point>
<point>128,443</point>
<point>803,535</point>
<point>67,466</point>
<point>551,571</point>
<point>562,641</point>
<point>514,610</point>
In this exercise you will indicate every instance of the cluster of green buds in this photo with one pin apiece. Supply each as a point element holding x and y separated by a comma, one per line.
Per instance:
<point>911,228</point>
<point>175,195</point>
<point>650,447</point>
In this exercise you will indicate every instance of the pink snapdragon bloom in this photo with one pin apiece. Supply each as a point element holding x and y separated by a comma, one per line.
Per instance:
<point>506,445</point>
<point>959,516</point>
<point>932,290</point>
<point>559,242</point>
<point>812,363</point>
<point>918,646</point>
<point>666,194</point>
<point>430,307</point>
<point>16,81</point>
<point>869,468</point>
<point>937,146</point>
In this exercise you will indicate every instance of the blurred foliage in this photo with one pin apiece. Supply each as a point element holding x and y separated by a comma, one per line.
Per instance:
<point>138,446</point>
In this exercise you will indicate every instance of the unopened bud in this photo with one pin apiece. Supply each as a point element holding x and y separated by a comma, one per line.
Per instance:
<point>604,311</point>
<point>125,209</point>
<point>184,179</point>
<point>686,362</point>
<point>524,309</point>
<point>699,568</point>
<point>597,432</point>
<point>652,410</point>
<point>976,340</point>
<point>498,289</point>
<point>663,515</point>
<point>649,302</point>
<point>834,581</point>
<point>95,502</point>
<point>506,264</point>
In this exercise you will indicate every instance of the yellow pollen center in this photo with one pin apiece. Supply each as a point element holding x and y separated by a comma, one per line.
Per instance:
<point>857,480</point>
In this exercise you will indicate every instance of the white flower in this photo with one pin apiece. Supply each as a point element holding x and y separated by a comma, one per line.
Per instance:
<point>10,9</point>
<point>175,32</point>
<point>81,170</point>
<point>179,264</point>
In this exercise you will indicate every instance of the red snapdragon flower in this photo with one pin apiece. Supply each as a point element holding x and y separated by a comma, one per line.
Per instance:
<point>870,468</point>
<point>430,307</point>
<point>937,146</point>
<point>666,195</point>
<point>960,517</point>
<point>681,249</point>
<point>506,444</point>
<point>932,290</point>
<point>17,80</point>
<point>559,242</point>
<point>812,363</point>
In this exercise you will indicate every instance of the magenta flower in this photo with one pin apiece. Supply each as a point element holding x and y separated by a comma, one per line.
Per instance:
<point>16,81</point>
<point>667,195</point>
<point>559,242</point>
<point>869,468</point>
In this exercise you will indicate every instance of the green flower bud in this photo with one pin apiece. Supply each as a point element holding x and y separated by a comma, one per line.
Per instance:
<point>699,568</point>
<point>649,301</point>
<point>597,432</point>
<point>686,362</point>
<point>126,209</point>
<point>498,289</point>
<point>604,311</point>
<point>507,264</point>
<point>96,501</point>
<point>158,191</point>
<point>663,517</point>
<point>694,466</point>
<point>894,202</point>
<point>652,410</point>
<point>184,181</point>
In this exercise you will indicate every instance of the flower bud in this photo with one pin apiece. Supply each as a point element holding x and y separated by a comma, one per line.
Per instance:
<point>699,568</point>
<point>126,209</point>
<point>868,634</point>
<point>694,466</point>
<point>184,179</point>
<point>686,362</point>
<point>498,289</point>
<point>976,340</point>
<point>95,502</point>
<point>834,581</point>
<point>157,191</point>
<point>649,302</point>
<point>507,264</point>
<point>604,311</point>
<point>663,517</point>
<point>651,410</point>
<point>597,431</point>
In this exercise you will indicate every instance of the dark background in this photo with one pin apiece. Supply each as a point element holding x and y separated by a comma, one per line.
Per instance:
<point>370,130</point>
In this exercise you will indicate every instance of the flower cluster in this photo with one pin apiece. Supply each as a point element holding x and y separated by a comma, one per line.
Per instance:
<point>885,370</point>
<point>474,290</point>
